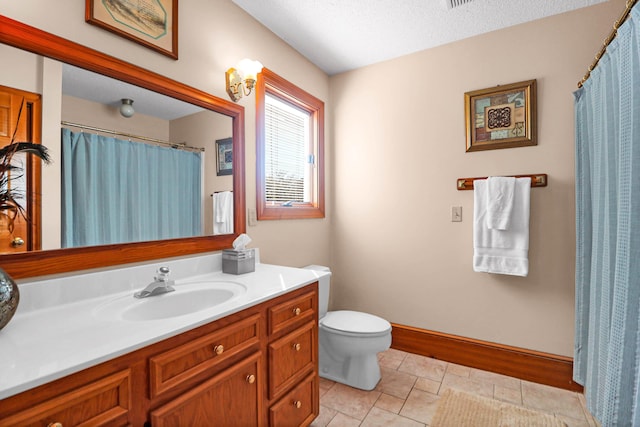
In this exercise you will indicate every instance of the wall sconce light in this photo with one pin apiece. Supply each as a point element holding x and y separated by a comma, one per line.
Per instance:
<point>126,109</point>
<point>240,81</point>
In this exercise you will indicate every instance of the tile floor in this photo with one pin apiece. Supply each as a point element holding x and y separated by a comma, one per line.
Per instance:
<point>408,393</point>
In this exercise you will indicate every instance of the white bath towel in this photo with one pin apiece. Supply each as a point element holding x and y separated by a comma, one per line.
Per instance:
<point>500,193</point>
<point>223,212</point>
<point>502,251</point>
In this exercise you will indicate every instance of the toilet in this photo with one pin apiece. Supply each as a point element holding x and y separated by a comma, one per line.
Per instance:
<point>349,341</point>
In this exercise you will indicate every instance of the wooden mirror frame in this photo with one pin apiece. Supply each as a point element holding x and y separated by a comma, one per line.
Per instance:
<point>39,263</point>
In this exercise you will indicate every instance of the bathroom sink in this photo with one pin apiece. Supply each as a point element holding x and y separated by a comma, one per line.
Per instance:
<point>188,298</point>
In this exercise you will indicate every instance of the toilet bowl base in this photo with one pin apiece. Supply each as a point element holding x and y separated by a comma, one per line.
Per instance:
<point>360,370</point>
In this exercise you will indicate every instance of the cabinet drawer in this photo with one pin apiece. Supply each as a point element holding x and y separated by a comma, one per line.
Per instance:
<point>298,407</point>
<point>291,358</point>
<point>231,398</point>
<point>186,362</point>
<point>292,312</point>
<point>100,403</point>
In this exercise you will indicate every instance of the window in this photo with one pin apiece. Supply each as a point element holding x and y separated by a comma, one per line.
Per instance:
<point>290,150</point>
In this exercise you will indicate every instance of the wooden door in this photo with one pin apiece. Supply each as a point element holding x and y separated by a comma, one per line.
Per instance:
<point>20,121</point>
<point>232,398</point>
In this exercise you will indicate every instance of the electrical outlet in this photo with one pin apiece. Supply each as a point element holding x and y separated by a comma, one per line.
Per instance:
<point>456,213</point>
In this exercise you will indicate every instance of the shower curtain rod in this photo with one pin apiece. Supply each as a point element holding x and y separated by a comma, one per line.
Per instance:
<point>179,146</point>
<point>608,40</point>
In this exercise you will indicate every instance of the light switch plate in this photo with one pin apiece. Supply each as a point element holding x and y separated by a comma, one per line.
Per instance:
<point>252,217</point>
<point>456,213</point>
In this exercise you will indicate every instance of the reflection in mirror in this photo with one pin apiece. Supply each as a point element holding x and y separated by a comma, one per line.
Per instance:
<point>208,119</point>
<point>153,174</point>
<point>149,176</point>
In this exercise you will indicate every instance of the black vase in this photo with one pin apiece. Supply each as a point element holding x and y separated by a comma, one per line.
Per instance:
<point>9,298</point>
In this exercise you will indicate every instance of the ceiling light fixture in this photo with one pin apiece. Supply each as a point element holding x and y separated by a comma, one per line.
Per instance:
<point>241,81</point>
<point>126,109</point>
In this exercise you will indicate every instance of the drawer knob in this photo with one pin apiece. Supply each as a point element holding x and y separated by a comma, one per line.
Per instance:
<point>297,311</point>
<point>297,404</point>
<point>219,349</point>
<point>251,379</point>
<point>54,425</point>
<point>297,346</point>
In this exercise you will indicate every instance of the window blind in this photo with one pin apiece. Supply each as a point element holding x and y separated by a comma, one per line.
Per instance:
<point>286,147</point>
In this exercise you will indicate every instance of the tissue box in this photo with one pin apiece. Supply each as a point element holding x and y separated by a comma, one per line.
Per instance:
<point>238,261</point>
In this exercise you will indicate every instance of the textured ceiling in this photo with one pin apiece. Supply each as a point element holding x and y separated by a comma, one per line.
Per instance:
<point>341,35</point>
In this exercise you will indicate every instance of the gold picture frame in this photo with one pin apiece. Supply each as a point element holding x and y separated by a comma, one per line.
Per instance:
<point>152,23</point>
<point>501,117</point>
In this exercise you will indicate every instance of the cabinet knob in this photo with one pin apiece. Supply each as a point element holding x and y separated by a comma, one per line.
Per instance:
<point>297,404</point>
<point>219,349</point>
<point>16,243</point>
<point>54,425</point>
<point>297,311</point>
<point>297,346</point>
<point>251,379</point>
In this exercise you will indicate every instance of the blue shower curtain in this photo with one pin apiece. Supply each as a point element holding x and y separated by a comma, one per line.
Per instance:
<point>607,343</point>
<point>117,191</point>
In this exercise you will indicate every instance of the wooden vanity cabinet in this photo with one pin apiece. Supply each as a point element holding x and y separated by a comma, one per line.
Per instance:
<point>293,391</point>
<point>257,367</point>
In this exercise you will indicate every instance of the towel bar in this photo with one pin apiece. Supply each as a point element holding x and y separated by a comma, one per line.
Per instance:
<point>537,180</point>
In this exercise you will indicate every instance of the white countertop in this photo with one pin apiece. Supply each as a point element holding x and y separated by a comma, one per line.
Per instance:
<point>43,343</point>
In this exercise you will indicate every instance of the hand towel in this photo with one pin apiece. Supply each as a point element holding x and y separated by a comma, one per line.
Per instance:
<point>502,251</point>
<point>500,194</point>
<point>223,212</point>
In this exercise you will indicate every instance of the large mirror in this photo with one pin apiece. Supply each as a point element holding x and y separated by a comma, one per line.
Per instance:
<point>187,150</point>
<point>183,115</point>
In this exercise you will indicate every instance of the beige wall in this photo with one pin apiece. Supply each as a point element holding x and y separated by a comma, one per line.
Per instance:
<point>202,130</point>
<point>213,36</point>
<point>395,144</point>
<point>77,110</point>
<point>400,145</point>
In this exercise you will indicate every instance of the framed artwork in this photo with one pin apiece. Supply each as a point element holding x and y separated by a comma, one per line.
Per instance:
<point>501,117</point>
<point>224,156</point>
<point>152,23</point>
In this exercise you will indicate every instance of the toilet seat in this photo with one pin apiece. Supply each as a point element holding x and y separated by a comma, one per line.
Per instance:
<point>355,322</point>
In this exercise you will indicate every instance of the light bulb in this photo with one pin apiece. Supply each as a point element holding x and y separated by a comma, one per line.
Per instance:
<point>249,69</point>
<point>126,109</point>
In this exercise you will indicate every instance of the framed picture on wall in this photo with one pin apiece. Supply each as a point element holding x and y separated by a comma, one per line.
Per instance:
<point>152,23</point>
<point>224,156</point>
<point>501,117</point>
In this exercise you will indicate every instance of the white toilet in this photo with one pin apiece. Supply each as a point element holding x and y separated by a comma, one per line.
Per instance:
<point>349,341</point>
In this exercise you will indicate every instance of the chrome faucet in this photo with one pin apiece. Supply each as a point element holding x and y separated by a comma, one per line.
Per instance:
<point>160,285</point>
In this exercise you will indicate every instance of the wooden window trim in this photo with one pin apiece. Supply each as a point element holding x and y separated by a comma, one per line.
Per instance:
<point>269,82</point>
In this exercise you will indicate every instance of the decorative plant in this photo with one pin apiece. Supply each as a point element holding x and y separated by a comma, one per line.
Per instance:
<point>9,171</point>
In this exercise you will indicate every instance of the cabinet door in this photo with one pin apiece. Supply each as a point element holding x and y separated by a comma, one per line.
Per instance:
<point>297,408</point>
<point>104,402</point>
<point>291,358</point>
<point>231,398</point>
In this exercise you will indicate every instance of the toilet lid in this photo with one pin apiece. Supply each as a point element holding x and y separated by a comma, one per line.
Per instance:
<point>355,321</point>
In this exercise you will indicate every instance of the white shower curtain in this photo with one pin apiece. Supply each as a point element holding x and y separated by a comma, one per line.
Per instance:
<point>607,343</point>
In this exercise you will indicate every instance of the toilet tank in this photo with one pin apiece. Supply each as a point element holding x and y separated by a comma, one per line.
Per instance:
<point>324,284</point>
